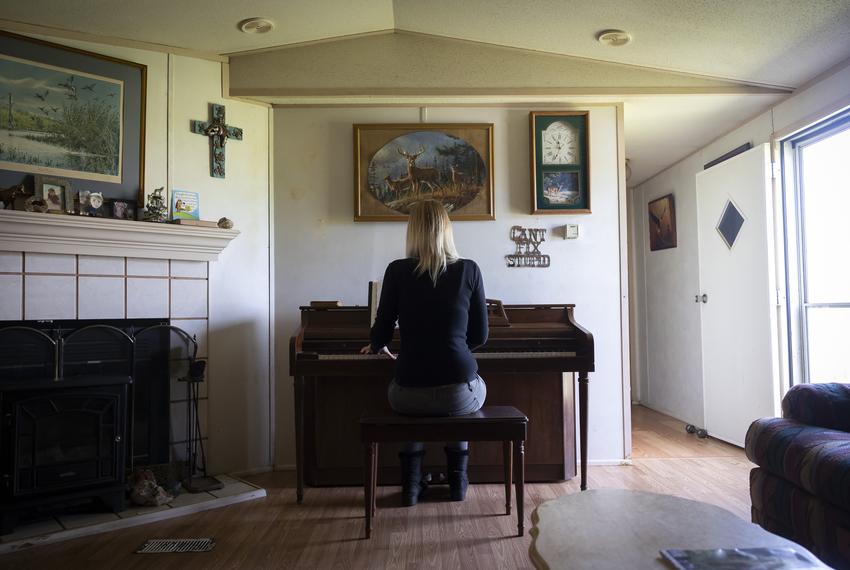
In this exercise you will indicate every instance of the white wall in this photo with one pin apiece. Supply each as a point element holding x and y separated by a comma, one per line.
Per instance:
<point>239,350</point>
<point>670,374</point>
<point>322,254</point>
<point>179,89</point>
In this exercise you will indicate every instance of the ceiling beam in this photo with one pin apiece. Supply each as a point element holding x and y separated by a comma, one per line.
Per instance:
<point>38,30</point>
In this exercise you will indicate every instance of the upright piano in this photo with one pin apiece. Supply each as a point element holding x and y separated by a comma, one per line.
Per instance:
<point>529,349</point>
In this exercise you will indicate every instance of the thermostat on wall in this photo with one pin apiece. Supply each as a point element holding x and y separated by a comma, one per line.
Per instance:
<point>571,231</point>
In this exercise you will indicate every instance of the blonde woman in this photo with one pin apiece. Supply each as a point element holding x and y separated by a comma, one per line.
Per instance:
<point>438,300</point>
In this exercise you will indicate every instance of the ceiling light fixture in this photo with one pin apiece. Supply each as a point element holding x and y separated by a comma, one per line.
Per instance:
<point>256,26</point>
<point>614,38</point>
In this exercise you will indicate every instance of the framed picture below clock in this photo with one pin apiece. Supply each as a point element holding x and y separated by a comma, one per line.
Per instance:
<point>560,162</point>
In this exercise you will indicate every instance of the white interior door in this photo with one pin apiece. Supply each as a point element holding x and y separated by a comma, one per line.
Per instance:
<point>738,294</point>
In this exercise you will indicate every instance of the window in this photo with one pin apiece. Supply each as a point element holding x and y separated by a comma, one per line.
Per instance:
<point>817,203</point>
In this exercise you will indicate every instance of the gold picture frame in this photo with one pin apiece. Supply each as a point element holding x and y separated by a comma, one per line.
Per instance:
<point>662,223</point>
<point>397,165</point>
<point>560,162</point>
<point>56,89</point>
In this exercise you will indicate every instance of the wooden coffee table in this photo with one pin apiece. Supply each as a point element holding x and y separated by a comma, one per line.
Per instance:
<point>615,529</point>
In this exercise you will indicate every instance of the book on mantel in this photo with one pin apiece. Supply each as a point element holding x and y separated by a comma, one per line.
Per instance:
<point>202,223</point>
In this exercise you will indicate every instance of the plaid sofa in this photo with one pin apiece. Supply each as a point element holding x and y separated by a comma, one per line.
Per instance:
<point>801,487</point>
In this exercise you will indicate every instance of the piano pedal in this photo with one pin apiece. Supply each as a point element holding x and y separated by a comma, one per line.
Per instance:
<point>440,479</point>
<point>429,479</point>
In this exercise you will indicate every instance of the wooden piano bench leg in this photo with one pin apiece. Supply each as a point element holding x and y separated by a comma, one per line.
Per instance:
<point>508,464</point>
<point>374,479</point>
<point>519,478</point>
<point>369,473</point>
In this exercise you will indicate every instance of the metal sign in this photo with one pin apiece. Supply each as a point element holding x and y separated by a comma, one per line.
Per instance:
<point>527,252</point>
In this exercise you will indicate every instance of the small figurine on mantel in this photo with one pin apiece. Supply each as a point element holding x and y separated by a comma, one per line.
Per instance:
<point>35,204</point>
<point>156,210</point>
<point>8,195</point>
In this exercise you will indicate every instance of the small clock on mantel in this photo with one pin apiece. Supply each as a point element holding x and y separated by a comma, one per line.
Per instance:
<point>560,162</point>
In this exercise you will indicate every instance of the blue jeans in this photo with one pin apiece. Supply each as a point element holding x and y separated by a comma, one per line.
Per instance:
<point>448,400</point>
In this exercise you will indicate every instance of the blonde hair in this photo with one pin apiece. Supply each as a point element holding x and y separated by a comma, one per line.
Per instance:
<point>430,239</point>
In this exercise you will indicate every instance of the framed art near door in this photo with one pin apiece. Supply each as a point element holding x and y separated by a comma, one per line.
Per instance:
<point>71,114</point>
<point>560,162</point>
<point>662,223</point>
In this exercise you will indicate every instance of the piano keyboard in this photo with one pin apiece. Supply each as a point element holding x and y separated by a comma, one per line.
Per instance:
<point>529,354</point>
<point>477,355</point>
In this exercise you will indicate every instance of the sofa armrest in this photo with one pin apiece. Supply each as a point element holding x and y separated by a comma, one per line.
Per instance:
<point>823,405</point>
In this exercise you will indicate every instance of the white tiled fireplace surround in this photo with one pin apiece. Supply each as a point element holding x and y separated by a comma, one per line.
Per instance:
<point>68,267</point>
<point>71,267</point>
<point>44,286</point>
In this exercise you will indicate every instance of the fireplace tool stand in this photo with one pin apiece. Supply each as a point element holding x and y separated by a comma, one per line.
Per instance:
<point>196,479</point>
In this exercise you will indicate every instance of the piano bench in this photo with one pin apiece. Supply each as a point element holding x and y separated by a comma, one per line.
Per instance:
<point>491,423</point>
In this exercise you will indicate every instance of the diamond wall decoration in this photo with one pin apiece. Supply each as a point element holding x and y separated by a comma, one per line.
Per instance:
<point>730,224</point>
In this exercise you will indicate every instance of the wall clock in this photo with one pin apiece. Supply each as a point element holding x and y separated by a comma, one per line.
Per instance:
<point>560,162</point>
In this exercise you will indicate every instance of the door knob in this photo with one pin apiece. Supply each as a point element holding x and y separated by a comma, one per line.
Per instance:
<point>705,298</point>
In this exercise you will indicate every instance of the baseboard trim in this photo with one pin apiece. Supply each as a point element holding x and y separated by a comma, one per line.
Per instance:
<point>608,462</point>
<point>673,414</point>
<point>254,471</point>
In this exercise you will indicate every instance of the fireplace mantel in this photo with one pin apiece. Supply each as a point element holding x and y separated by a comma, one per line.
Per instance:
<point>52,233</point>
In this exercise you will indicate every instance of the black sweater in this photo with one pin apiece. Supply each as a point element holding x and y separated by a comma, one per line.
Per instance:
<point>439,326</point>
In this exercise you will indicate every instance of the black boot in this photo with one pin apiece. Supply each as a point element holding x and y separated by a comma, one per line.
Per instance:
<point>411,477</point>
<point>457,460</point>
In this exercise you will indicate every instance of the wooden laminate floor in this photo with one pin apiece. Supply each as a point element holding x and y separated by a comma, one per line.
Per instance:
<point>327,530</point>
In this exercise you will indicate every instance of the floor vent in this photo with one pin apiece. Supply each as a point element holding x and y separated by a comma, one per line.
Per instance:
<point>166,545</point>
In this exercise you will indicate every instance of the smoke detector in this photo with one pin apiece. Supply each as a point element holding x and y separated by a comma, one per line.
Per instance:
<point>256,26</point>
<point>614,38</point>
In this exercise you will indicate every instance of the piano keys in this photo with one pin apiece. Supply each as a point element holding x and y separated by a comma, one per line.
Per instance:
<point>478,356</point>
<point>529,349</point>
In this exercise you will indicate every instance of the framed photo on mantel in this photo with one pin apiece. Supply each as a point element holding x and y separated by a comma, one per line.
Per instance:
<point>560,162</point>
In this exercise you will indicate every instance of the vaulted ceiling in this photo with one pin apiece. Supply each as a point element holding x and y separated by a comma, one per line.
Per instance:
<point>767,46</point>
<point>775,42</point>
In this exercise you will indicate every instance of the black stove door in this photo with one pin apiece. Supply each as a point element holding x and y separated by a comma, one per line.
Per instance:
<point>65,439</point>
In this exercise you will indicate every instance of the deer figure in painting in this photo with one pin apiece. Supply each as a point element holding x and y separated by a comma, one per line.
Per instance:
<point>457,175</point>
<point>416,175</point>
<point>396,186</point>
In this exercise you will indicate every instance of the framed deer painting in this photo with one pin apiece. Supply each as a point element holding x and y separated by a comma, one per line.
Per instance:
<point>398,165</point>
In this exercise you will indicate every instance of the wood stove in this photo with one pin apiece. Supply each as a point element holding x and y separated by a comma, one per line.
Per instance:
<point>66,405</point>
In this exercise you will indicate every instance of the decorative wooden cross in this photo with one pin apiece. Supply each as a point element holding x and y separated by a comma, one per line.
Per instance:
<point>218,133</point>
